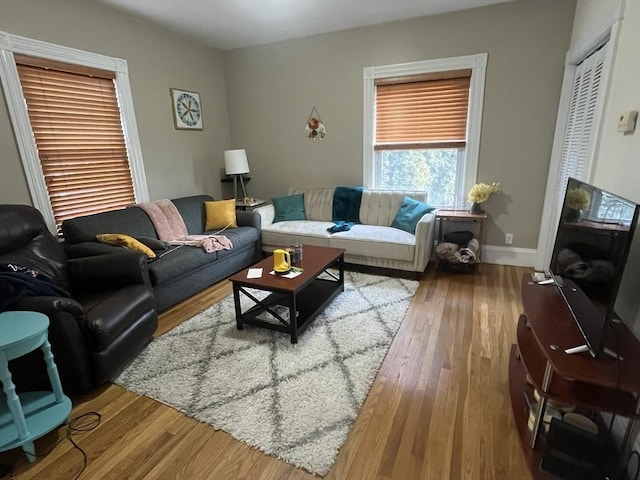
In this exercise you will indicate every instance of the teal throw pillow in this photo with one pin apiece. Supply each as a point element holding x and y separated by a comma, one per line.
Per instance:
<point>289,208</point>
<point>411,211</point>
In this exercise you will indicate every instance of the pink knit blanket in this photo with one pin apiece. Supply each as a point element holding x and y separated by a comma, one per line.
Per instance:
<point>166,219</point>
<point>170,227</point>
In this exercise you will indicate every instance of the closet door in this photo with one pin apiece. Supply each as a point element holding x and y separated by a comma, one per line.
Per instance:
<point>582,122</point>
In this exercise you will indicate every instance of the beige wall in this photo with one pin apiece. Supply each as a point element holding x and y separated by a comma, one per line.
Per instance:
<point>617,156</point>
<point>271,90</point>
<point>593,17</point>
<point>176,162</point>
<point>617,159</point>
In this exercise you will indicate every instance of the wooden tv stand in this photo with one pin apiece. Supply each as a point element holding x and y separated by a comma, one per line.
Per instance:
<point>545,330</point>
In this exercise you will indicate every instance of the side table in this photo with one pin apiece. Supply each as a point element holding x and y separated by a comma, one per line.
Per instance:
<point>462,216</point>
<point>252,205</point>
<point>31,415</point>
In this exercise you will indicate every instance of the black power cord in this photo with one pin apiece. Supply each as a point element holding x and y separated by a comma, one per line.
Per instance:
<point>80,424</point>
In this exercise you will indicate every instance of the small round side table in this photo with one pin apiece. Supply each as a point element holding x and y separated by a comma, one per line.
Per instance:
<point>31,415</point>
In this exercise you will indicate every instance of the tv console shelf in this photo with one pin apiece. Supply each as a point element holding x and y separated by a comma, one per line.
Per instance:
<point>545,330</point>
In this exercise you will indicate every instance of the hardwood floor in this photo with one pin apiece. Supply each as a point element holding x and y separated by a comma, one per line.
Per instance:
<point>439,408</point>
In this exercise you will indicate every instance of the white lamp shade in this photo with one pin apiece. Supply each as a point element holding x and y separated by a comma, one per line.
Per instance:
<point>235,162</point>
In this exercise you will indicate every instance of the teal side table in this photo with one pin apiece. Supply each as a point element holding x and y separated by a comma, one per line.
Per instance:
<point>31,415</point>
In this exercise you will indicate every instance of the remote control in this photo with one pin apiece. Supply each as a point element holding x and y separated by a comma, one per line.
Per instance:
<point>578,349</point>
<point>548,281</point>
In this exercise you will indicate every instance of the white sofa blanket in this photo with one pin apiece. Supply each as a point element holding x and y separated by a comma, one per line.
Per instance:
<point>371,242</point>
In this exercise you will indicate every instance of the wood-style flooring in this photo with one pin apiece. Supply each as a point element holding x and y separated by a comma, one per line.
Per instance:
<point>439,408</point>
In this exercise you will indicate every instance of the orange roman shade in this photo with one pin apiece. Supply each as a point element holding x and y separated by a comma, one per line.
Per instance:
<point>75,119</point>
<point>422,114</point>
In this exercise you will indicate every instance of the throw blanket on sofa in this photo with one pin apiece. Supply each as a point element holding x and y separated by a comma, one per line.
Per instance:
<point>170,227</point>
<point>346,204</point>
<point>166,219</point>
<point>340,226</point>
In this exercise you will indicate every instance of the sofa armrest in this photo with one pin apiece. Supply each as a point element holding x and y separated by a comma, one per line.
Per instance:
<point>267,214</point>
<point>108,272</point>
<point>68,336</point>
<point>89,249</point>
<point>424,240</point>
<point>49,305</point>
<point>248,219</point>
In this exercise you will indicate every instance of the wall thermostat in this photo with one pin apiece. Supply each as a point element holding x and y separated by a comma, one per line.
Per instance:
<point>627,121</point>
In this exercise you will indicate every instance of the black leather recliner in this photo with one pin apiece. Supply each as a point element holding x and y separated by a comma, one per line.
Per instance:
<point>108,316</point>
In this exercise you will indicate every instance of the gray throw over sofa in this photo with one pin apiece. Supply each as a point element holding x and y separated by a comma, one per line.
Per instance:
<point>176,273</point>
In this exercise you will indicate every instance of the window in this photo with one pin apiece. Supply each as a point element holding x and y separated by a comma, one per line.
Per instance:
<point>422,127</point>
<point>75,128</point>
<point>75,120</point>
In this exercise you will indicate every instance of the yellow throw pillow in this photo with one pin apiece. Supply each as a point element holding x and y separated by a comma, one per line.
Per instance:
<point>220,214</point>
<point>122,240</point>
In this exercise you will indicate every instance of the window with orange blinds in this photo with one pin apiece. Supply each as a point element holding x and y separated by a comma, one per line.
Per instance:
<point>422,114</point>
<point>77,127</point>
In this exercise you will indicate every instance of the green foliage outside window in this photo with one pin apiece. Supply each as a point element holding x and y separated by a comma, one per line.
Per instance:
<point>433,171</point>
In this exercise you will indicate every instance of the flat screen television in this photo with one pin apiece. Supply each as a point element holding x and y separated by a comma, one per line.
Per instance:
<point>592,245</point>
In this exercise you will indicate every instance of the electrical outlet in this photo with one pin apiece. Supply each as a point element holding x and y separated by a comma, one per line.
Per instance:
<point>508,238</point>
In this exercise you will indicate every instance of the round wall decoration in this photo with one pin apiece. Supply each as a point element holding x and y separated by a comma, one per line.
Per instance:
<point>187,111</point>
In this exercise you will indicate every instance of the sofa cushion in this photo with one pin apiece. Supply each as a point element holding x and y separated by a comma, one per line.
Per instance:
<point>220,214</point>
<point>177,262</point>
<point>193,212</point>
<point>410,212</point>
<point>289,208</point>
<point>376,241</point>
<point>318,202</point>
<point>132,221</point>
<point>298,231</point>
<point>379,207</point>
<point>240,237</point>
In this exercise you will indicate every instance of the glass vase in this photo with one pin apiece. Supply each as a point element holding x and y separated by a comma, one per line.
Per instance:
<point>476,209</point>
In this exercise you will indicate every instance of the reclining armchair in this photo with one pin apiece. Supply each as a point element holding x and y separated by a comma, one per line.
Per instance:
<point>100,309</point>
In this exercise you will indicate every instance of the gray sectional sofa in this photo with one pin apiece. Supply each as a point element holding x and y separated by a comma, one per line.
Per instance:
<point>373,242</point>
<point>177,273</point>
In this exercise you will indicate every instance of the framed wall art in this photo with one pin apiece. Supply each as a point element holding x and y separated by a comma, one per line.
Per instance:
<point>187,110</point>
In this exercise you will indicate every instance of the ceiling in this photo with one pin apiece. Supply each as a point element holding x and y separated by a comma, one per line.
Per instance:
<point>228,24</point>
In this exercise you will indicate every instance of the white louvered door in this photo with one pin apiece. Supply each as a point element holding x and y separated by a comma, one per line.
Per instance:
<point>584,111</point>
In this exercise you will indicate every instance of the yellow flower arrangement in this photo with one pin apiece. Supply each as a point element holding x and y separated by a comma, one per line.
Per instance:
<point>578,198</point>
<point>481,192</point>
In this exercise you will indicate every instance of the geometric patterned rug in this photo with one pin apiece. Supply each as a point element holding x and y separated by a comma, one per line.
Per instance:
<point>296,402</point>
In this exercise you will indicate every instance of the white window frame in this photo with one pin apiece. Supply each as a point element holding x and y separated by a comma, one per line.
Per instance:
<point>13,44</point>
<point>478,65</point>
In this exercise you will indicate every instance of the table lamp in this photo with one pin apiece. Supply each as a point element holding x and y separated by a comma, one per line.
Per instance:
<point>235,164</point>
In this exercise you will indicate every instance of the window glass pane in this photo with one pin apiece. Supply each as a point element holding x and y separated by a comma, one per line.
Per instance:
<point>434,170</point>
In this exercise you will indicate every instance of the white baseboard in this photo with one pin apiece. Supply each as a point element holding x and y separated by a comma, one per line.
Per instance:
<point>519,257</point>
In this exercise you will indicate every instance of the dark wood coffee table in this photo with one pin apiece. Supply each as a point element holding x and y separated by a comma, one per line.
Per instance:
<point>306,294</point>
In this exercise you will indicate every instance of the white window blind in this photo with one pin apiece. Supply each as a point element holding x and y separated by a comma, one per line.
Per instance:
<point>423,114</point>
<point>76,122</point>
<point>579,134</point>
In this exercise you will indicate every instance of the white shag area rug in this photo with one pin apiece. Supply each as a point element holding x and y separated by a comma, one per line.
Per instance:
<point>296,402</point>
